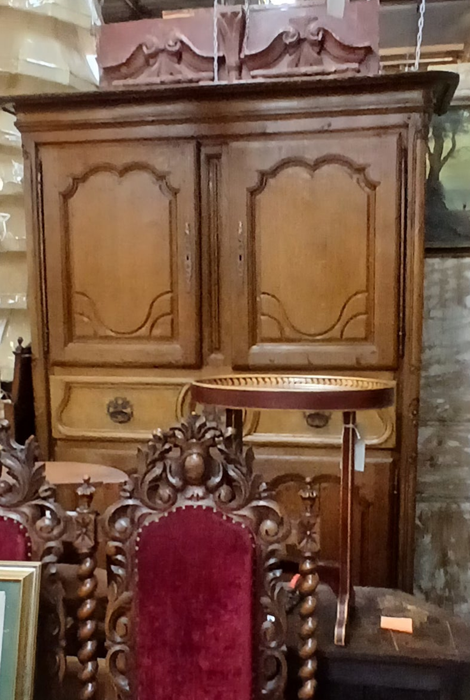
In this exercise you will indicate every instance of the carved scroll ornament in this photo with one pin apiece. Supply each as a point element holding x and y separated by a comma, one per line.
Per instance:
<point>306,48</point>
<point>194,463</point>
<point>172,50</point>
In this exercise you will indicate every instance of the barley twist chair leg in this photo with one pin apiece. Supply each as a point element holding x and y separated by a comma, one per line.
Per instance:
<point>85,542</point>
<point>309,545</point>
<point>87,654</point>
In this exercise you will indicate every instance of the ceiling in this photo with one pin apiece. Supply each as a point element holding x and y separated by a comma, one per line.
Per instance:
<point>125,10</point>
<point>447,22</point>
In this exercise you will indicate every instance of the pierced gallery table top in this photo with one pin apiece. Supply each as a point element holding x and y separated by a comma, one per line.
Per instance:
<point>294,392</point>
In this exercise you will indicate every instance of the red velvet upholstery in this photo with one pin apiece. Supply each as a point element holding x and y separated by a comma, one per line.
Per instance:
<point>15,544</point>
<point>194,638</point>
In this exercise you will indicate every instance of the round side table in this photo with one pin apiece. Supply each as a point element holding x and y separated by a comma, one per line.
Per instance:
<point>237,393</point>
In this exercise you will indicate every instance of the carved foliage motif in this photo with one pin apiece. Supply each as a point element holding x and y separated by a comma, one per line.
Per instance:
<point>22,466</point>
<point>194,463</point>
<point>177,52</point>
<point>306,47</point>
<point>27,498</point>
<point>170,60</point>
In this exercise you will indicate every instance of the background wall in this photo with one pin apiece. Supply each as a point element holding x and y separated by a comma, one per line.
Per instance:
<point>45,46</point>
<point>442,571</point>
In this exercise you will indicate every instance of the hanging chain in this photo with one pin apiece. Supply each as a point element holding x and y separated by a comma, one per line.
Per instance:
<point>247,27</point>
<point>419,38</point>
<point>216,42</point>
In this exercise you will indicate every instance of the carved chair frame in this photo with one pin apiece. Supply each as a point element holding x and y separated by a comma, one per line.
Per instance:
<point>30,500</point>
<point>195,464</point>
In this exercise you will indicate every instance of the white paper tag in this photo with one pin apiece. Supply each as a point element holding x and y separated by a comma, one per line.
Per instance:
<point>359,452</point>
<point>336,8</point>
<point>397,624</point>
<point>2,620</point>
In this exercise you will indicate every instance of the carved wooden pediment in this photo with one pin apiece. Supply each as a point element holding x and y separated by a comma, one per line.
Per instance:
<point>266,42</point>
<point>307,41</point>
<point>171,50</point>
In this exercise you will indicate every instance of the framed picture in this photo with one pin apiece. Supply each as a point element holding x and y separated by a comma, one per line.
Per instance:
<point>448,183</point>
<point>19,607</point>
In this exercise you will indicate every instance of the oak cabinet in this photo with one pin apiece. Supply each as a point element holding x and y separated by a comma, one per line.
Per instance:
<point>179,231</point>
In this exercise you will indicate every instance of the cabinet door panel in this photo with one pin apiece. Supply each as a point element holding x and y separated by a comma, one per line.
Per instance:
<point>314,230</point>
<point>121,251</point>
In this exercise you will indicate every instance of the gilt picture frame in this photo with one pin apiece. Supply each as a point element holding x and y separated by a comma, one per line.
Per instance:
<point>447,221</point>
<point>19,609</point>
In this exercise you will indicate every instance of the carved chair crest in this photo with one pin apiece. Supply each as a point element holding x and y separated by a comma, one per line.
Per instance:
<point>195,465</point>
<point>27,498</point>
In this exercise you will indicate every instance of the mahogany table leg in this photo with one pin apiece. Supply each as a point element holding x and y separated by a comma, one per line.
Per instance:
<point>346,525</point>
<point>234,419</point>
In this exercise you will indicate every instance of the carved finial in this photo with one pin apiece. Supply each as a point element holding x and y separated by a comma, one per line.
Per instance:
<point>309,495</point>
<point>85,493</point>
<point>19,348</point>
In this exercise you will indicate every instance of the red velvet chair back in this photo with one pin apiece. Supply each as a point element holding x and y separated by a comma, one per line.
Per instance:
<point>195,610</point>
<point>15,542</point>
<point>194,607</point>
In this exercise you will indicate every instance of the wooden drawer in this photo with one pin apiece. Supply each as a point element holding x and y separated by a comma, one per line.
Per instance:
<point>120,454</point>
<point>318,429</point>
<point>114,408</point>
<point>131,408</point>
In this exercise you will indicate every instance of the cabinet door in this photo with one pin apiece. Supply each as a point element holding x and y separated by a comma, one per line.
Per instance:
<point>314,233</point>
<point>121,253</point>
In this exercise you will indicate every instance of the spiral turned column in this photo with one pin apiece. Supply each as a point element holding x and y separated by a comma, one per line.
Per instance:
<point>86,546</point>
<point>309,545</point>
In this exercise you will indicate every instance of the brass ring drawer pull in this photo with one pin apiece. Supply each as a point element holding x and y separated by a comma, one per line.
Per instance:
<point>317,419</point>
<point>120,410</point>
